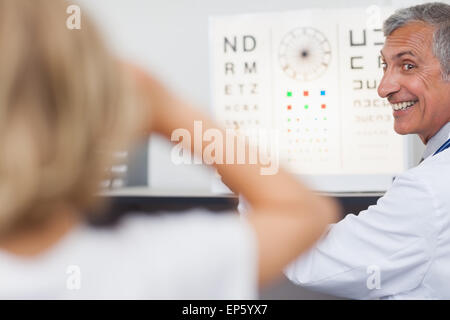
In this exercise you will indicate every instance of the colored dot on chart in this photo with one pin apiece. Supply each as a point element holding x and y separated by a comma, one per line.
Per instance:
<point>289,107</point>
<point>324,106</point>
<point>306,106</point>
<point>289,119</point>
<point>289,93</point>
<point>324,118</point>
<point>305,93</point>
<point>322,93</point>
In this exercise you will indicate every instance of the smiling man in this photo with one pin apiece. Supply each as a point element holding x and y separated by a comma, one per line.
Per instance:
<point>400,247</point>
<point>416,80</point>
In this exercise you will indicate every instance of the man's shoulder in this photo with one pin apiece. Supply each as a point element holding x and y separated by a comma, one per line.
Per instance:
<point>434,171</point>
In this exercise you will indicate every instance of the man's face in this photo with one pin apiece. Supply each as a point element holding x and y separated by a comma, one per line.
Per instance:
<point>413,83</point>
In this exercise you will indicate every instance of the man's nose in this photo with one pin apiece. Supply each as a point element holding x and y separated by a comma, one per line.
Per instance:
<point>389,84</point>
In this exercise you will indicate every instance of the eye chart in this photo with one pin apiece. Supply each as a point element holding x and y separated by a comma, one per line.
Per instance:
<point>313,76</point>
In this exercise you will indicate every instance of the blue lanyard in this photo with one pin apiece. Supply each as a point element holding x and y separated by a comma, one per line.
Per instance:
<point>443,147</point>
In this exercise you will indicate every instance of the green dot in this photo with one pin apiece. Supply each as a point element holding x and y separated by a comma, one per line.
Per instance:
<point>324,118</point>
<point>289,94</point>
<point>306,106</point>
<point>289,119</point>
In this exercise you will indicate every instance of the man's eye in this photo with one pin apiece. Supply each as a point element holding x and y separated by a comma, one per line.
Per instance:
<point>408,66</point>
<point>384,65</point>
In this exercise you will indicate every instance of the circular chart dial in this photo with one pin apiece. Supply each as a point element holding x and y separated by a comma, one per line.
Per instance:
<point>304,54</point>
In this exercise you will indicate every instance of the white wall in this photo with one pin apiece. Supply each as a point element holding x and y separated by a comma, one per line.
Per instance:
<point>171,39</point>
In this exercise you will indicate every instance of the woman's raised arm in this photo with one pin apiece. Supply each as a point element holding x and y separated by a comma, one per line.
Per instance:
<point>286,216</point>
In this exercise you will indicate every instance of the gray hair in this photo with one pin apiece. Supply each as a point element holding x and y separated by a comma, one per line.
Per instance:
<point>436,14</point>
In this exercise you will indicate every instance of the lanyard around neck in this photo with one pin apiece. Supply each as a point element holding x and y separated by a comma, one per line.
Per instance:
<point>443,147</point>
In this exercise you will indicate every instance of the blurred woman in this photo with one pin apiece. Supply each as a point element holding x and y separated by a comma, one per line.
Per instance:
<point>65,105</point>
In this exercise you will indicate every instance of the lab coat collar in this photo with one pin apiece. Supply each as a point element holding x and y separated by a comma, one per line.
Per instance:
<point>437,140</point>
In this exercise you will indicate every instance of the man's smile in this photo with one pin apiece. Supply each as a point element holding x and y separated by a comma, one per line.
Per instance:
<point>403,105</point>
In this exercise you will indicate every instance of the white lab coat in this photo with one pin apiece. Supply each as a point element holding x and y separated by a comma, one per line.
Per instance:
<point>396,249</point>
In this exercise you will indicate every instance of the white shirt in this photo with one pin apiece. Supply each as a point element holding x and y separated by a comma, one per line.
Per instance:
<point>396,249</point>
<point>175,256</point>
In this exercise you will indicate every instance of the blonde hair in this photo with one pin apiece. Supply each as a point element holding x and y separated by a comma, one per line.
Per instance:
<point>65,105</point>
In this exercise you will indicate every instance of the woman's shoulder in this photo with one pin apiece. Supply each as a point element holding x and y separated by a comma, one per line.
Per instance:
<point>193,227</point>
<point>211,254</point>
<point>193,254</point>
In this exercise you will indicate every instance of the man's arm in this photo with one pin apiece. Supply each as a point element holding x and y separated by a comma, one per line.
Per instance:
<point>383,251</point>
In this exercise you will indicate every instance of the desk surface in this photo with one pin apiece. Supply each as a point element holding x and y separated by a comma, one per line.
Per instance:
<point>150,201</point>
<point>170,193</point>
